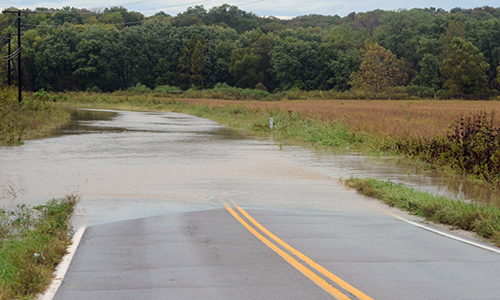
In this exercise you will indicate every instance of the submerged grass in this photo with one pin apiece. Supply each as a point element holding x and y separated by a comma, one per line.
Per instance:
<point>33,241</point>
<point>482,219</point>
<point>35,116</point>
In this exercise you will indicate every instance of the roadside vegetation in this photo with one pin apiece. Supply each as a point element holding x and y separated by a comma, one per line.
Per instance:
<point>33,241</point>
<point>34,117</point>
<point>482,219</point>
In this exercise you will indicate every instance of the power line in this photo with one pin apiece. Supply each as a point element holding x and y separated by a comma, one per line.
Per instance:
<point>251,2</point>
<point>196,13</point>
<point>55,26</point>
<point>146,19</point>
<point>160,8</point>
<point>14,54</point>
<point>7,34</point>
<point>112,12</point>
<point>125,23</point>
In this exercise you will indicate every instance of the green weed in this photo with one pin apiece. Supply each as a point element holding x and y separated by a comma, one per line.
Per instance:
<point>471,147</point>
<point>33,241</point>
<point>482,219</point>
<point>33,117</point>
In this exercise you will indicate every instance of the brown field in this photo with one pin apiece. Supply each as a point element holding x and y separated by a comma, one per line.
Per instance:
<point>382,118</point>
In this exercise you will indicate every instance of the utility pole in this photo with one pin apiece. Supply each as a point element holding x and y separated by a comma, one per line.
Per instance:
<point>19,61</point>
<point>19,68</point>
<point>8,62</point>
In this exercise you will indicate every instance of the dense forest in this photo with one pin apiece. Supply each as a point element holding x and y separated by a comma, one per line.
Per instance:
<point>421,51</point>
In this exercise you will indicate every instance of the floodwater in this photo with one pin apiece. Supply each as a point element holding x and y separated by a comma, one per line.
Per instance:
<point>127,165</point>
<point>400,170</point>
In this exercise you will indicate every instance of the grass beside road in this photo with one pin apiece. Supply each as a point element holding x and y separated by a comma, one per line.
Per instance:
<point>34,117</point>
<point>33,241</point>
<point>482,219</point>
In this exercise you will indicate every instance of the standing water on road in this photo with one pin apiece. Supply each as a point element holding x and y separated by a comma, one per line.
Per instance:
<point>127,165</point>
<point>400,170</point>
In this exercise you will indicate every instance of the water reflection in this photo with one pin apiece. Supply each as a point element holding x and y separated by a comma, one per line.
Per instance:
<point>83,121</point>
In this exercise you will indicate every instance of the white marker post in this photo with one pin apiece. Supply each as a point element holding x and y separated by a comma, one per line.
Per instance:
<point>271,123</point>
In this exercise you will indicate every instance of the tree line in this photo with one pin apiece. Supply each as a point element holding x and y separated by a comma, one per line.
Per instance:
<point>425,51</point>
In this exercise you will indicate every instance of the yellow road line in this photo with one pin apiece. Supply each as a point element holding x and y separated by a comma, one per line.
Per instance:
<point>360,295</point>
<point>288,258</point>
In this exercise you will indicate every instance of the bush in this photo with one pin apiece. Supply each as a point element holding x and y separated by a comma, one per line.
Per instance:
<point>472,147</point>
<point>33,117</point>
<point>260,86</point>
<point>94,89</point>
<point>139,89</point>
<point>420,91</point>
<point>168,89</point>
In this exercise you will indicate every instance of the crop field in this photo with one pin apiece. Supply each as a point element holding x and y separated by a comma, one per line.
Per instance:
<point>427,119</point>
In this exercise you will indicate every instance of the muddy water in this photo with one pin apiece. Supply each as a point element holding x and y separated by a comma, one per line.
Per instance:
<point>133,164</point>
<point>399,170</point>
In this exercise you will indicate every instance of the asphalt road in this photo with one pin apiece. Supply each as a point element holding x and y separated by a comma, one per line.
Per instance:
<point>210,255</point>
<point>154,188</point>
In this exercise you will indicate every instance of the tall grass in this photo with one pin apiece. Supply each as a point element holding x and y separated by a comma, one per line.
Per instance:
<point>481,219</point>
<point>471,146</point>
<point>33,117</point>
<point>33,241</point>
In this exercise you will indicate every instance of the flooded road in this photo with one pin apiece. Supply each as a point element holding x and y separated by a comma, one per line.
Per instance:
<point>153,187</point>
<point>127,165</point>
<point>399,170</point>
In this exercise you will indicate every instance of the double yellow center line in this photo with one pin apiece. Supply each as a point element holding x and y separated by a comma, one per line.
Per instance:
<point>301,267</point>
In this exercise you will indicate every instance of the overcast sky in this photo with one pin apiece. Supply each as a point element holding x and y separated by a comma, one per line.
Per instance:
<point>278,8</point>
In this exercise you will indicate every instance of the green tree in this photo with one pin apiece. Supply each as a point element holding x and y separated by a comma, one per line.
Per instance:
<point>430,75</point>
<point>249,65</point>
<point>464,69</point>
<point>379,69</point>
<point>192,16</point>
<point>496,82</point>
<point>295,63</point>
<point>192,62</point>
<point>233,17</point>
<point>455,29</point>
<point>114,18</point>
<point>244,67</point>
<point>165,73</point>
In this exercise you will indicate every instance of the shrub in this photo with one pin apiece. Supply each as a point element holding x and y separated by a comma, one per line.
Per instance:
<point>261,86</point>
<point>94,89</point>
<point>472,147</point>
<point>420,91</point>
<point>168,89</point>
<point>139,89</point>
